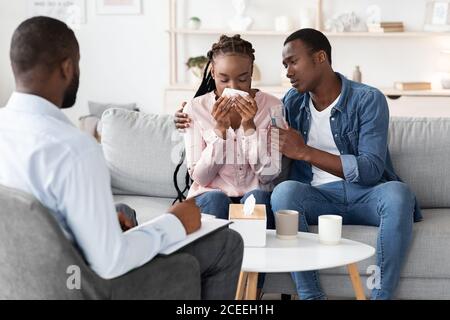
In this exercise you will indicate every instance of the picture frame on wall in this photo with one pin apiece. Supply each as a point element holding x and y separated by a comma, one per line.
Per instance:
<point>72,12</point>
<point>119,7</point>
<point>437,16</point>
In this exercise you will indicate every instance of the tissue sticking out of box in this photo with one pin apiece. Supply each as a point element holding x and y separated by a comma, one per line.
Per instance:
<point>249,205</point>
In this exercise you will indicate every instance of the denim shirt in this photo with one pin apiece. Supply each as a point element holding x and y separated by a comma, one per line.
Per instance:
<point>359,124</point>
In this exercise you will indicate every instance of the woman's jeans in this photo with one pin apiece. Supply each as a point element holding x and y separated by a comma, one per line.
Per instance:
<point>217,203</point>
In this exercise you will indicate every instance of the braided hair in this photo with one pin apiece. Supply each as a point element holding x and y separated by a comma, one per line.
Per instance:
<point>226,45</point>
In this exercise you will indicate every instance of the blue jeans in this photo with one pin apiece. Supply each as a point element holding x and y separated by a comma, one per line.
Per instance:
<point>217,203</point>
<point>388,206</point>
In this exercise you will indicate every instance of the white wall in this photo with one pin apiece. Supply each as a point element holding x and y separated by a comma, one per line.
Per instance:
<point>126,59</point>
<point>10,13</point>
<point>123,58</point>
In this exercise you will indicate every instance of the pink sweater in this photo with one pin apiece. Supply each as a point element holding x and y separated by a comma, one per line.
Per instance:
<point>236,165</point>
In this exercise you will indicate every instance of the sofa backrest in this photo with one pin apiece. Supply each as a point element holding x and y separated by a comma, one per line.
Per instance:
<point>420,151</point>
<point>36,258</point>
<point>142,152</point>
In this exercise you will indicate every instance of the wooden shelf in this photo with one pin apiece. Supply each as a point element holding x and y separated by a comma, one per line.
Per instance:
<point>228,32</point>
<point>386,91</point>
<point>265,88</point>
<point>174,95</point>
<point>416,93</point>
<point>409,34</point>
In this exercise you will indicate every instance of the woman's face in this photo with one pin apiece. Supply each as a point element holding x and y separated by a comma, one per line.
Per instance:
<point>232,71</point>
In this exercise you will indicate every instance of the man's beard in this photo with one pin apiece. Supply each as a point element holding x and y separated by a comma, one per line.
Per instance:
<point>70,96</point>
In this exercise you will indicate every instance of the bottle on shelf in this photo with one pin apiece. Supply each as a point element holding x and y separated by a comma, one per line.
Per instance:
<point>357,77</point>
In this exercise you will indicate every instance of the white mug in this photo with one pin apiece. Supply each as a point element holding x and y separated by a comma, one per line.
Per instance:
<point>330,229</point>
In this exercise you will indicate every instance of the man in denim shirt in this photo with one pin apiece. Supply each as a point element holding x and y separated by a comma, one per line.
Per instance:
<point>341,165</point>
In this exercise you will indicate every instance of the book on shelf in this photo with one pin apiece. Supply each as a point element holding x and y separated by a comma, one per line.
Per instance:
<point>412,85</point>
<point>386,27</point>
<point>386,24</point>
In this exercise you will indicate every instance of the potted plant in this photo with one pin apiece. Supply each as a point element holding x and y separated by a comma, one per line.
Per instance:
<point>197,65</point>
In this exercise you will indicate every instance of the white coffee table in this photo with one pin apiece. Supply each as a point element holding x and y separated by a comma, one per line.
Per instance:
<point>305,253</point>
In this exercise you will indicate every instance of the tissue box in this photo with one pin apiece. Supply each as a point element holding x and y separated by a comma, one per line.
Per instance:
<point>252,228</point>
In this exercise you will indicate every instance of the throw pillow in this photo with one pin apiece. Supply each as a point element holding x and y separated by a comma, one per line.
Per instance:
<point>97,109</point>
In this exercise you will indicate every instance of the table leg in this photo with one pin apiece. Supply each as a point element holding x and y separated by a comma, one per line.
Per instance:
<point>356,281</point>
<point>242,284</point>
<point>252,284</point>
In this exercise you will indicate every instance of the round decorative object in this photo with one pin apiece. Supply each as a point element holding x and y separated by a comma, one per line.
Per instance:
<point>194,23</point>
<point>240,22</point>
<point>307,18</point>
<point>283,24</point>
<point>445,81</point>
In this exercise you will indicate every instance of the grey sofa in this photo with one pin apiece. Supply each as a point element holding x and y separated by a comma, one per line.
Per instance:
<point>37,262</point>
<point>142,152</point>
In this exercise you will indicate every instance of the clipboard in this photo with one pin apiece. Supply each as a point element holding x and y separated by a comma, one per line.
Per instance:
<point>210,224</point>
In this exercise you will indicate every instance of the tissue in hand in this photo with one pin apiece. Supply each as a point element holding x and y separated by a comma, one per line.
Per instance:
<point>231,93</point>
<point>249,220</point>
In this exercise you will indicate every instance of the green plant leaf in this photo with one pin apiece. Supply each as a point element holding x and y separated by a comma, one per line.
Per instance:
<point>198,62</point>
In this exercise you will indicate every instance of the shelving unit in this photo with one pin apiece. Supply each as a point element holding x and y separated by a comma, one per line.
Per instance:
<point>416,93</point>
<point>183,92</point>
<point>386,91</point>
<point>328,34</point>
<point>174,32</point>
<point>177,92</point>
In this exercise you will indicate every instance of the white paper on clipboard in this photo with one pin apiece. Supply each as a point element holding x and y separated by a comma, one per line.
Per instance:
<point>209,225</point>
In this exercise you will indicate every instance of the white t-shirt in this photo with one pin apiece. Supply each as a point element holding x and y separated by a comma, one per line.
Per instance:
<point>321,137</point>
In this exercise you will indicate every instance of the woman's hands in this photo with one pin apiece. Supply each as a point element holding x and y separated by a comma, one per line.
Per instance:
<point>221,113</point>
<point>247,108</point>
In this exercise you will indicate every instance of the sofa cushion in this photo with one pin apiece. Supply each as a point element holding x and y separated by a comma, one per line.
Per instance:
<point>96,108</point>
<point>146,208</point>
<point>142,152</point>
<point>35,254</point>
<point>420,148</point>
<point>35,259</point>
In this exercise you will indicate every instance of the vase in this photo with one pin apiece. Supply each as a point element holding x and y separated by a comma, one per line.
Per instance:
<point>240,22</point>
<point>194,24</point>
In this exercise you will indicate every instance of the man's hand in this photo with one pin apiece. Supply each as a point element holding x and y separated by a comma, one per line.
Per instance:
<point>125,222</point>
<point>292,144</point>
<point>181,120</point>
<point>188,213</point>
